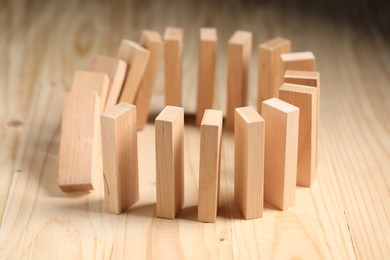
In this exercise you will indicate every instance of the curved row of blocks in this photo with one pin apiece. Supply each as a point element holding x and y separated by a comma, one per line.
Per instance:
<point>275,145</point>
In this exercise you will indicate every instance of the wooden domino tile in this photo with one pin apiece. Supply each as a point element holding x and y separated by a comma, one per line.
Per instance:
<point>173,39</point>
<point>305,98</point>
<point>80,133</point>
<point>249,135</point>
<point>120,157</point>
<point>209,166</point>
<point>206,71</point>
<point>116,71</point>
<point>137,59</point>
<point>281,152</point>
<point>239,56</point>
<point>270,67</point>
<point>92,81</point>
<point>297,61</point>
<point>169,127</point>
<point>151,41</point>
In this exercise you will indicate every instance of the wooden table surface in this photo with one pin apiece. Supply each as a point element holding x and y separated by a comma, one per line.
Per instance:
<point>345,215</point>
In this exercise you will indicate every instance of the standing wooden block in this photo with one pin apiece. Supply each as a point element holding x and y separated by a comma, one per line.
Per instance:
<point>305,98</point>
<point>270,67</point>
<point>209,167</point>
<point>173,65</point>
<point>150,40</point>
<point>169,127</point>
<point>297,61</point>
<point>116,71</point>
<point>120,157</point>
<point>137,59</point>
<point>281,151</point>
<point>239,56</point>
<point>249,162</point>
<point>92,81</point>
<point>206,70</point>
<point>80,133</point>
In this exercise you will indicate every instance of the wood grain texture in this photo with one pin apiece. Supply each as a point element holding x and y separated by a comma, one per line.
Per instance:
<point>120,157</point>
<point>344,215</point>
<point>209,165</point>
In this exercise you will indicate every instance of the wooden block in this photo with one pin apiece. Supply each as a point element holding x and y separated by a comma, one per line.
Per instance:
<point>173,65</point>
<point>270,67</point>
<point>249,162</point>
<point>152,41</point>
<point>281,151</point>
<point>206,70</point>
<point>305,98</point>
<point>120,157</point>
<point>92,81</point>
<point>169,127</point>
<point>239,56</point>
<point>297,61</point>
<point>137,59</point>
<point>209,166</point>
<point>116,71</point>
<point>80,133</point>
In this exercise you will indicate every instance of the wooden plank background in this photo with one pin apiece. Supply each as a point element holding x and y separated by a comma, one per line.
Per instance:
<point>345,215</point>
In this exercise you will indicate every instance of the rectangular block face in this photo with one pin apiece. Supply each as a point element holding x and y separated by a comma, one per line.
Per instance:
<point>116,71</point>
<point>173,39</point>
<point>169,127</point>
<point>239,55</point>
<point>281,152</point>
<point>152,41</point>
<point>206,70</point>
<point>137,59</point>
<point>92,81</point>
<point>269,68</point>
<point>249,135</point>
<point>209,167</point>
<point>79,141</point>
<point>305,98</point>
<point>297,61</point>
<point>120,157</point>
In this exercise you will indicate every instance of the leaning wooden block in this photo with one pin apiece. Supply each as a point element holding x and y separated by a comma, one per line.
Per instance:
<point>120,157</point>
<point>249,162</point>
<point>150,40</point>
<point>306,99</point>
<point>92,81</point>
<point>281,151</point>
<point>116,71</point>
<point>209,167</point>
<point>270,67</point>
<point>137,59</point>
<point>173,65</point>
<point>169,127</point>
<point>297,61</point>
<point>80,133</point>
<point>239,55</point>
<point>206,70</point>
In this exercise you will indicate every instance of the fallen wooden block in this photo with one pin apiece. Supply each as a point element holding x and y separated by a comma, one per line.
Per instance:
<point>209,166</point>
<point>281,150</point>
<point>169,127</point>
<point>239,56</point>
<point>92,81</point>
<point>173,39</point>
<point>305,98</point>
<point>120,157</point>
<point>206,70</point>
<point>116,71</point>
<point>80,133</point>
<point>270,67</point>
<point>150,40</point>
<point>137,59</point>
<point>249,162</point>
<point>297,61</point>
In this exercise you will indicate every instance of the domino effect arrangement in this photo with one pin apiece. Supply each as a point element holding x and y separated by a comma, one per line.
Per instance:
<point>275,145</point>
